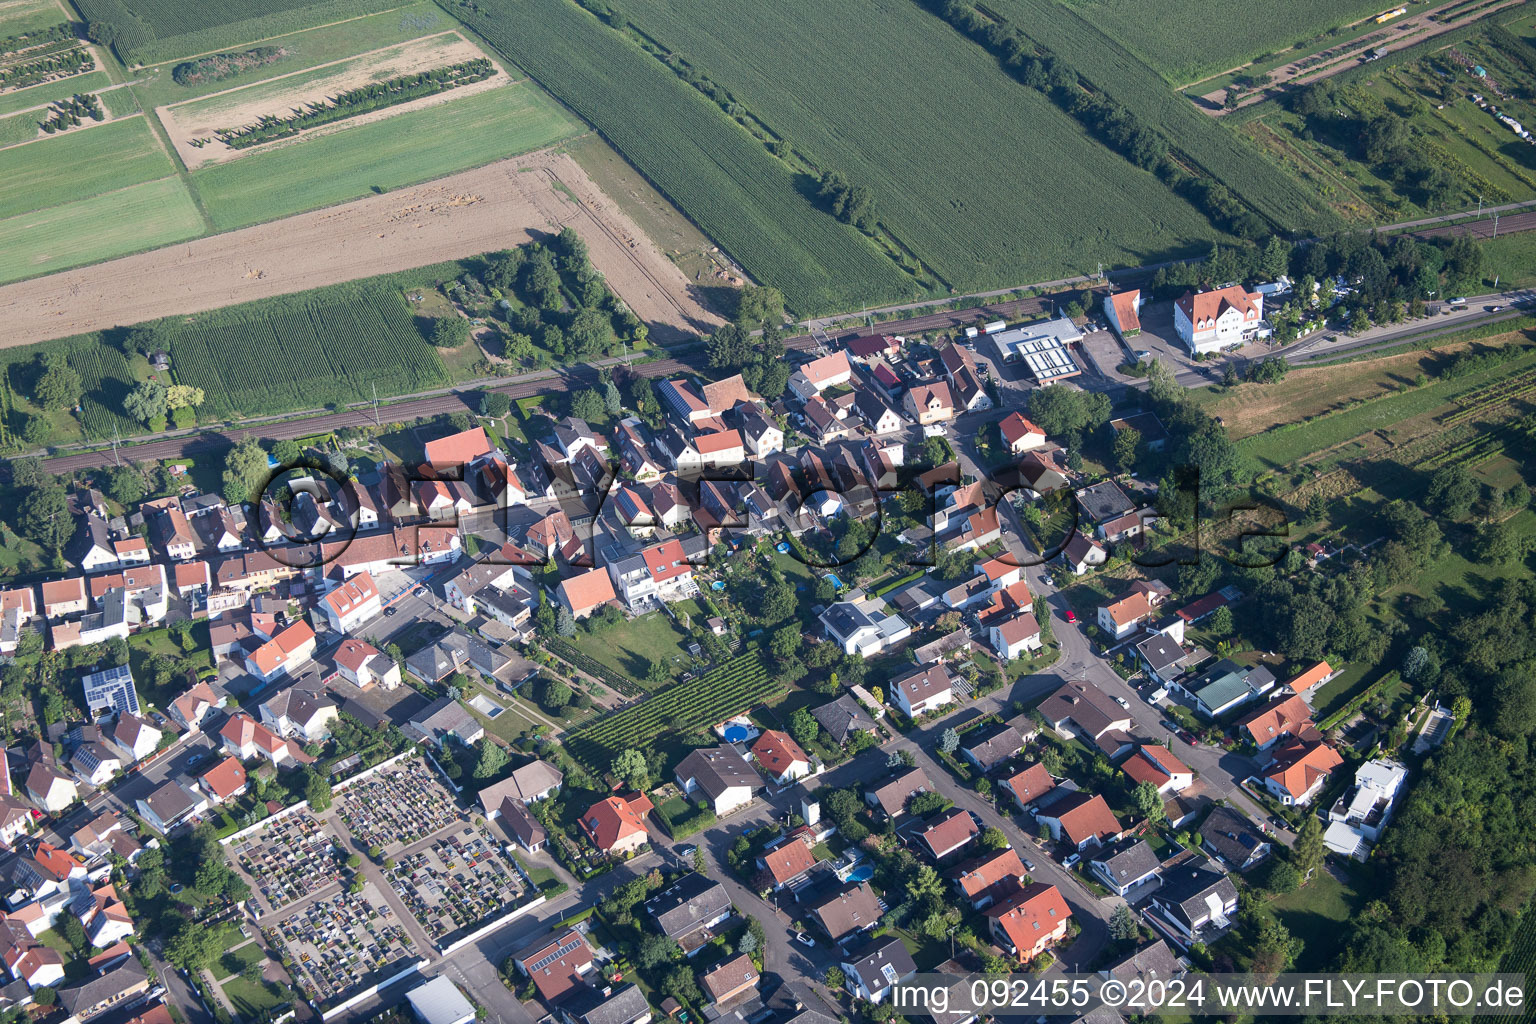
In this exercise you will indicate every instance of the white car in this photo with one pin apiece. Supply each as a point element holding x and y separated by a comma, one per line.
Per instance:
<point>1121,701</point>
<point>804,939</point>
<point>1071,858</point>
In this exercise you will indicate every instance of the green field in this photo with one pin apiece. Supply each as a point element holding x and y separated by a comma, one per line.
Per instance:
<point>101,227</point>
<point>723,178</point>
<point>1512,258</point>
<point>82,163</point>
<point>309,48</point>
<point>982,177</point>
<point>18,128</point>
<point>359,159</point>
<point>29,16</point>
<point>42,95</point>
<point>300,352</point>
<point>104,372</point>
<point>147,31</point>
<point>1200,139</point>
<point>1189,39</point>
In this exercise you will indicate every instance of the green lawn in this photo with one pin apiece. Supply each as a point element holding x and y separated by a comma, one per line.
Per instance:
<point>630,647</point>
<point>1512,259</point>
<point>1317,913</point>
<point>98,228</point>
<point>156,87</point>
<point>397,151</point>
<point>42,95</point>
<point>238,959</point>
<point>29,16</point>
<point>81,163</point>
<point>251,1000</point>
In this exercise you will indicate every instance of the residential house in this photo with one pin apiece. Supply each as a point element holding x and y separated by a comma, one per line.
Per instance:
<point>1217,320</point>
<point>95,762</point>
<point>105,919</point>
<point>689,910</point>
<point>1029,785</point>
<point>878,416</point>
<point>196,704</point>
<point>1079,708</point>
<point>846,911</point>
<point>930,403</point>
<point>871,971</point>
<point>1081,553</point>
<point>1299,769</point>
<point>1165,657</point>
<point>49,788</point>
<point>174,535</point>
<point>1019,434</point>
<point>225,780</point>
<point>1153,434</point>
<point>1122,310</point>
<point>1122,617</point>
<point>353,603</point>
<point>844,717</point>
<point>947,833</point>
<point>891,796</point>
<point>444,719</point>
<point>989,749</point>
<point>1029,920</point>
<point>134,736</point>
<point>1225,686</point>
<point>246,738</point>
<point>725,778</point>
<point>91,548</point>
<point>1157,765</point>
<point>110,691</point>
<point>170,804</point>
<point>62,598</point>
<point>1304,684</point>
<point>1283,719</point>
<point>780,757</point>
<point>1359,816</point>
<point>761,435</point>
<point>788,863</point>
<point>363,665</point>
<point>873,346</point>
<point>1197,899</point>
<point>861,627</point>
<point>923,690</point>
<point>457,450</point>
<point>1080,820</point>
<point>1232,839</point>
<point>301,714</point>
<point>1015,636</point>
<point>115,986</point>
<point>585,592</point>
<point>819,374</point>
<point>556,963</point>
<point>616,824</point>
<point>284,654</point>
<point>731,982</point>
<point>1125,865</point>
<point>587,1004</point>
<point>982,880</point>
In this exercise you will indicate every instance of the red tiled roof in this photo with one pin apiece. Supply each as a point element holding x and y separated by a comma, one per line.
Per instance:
<point>1125,309</point>
<point>790,860</point>
<point>1031,784</point>
<point>950,832</point>
<point>352,594</point>
<point>777,752</point>
<point>819,371</point>
<point>226,778</point>
<point>721,441</point>
<point>1207,306</point>
<point>588,590</point>
<point>457,449</point>
<point>1298,765</point>
<point>666,561</point>
<point>1086,817</point>
<point>1028,915</point>
<point>1290,716</point>
<point>1131,608</point>
<point>1311,677</point>
<point>1015,428</point>
<point>977,876</point>
<point>616,818</point>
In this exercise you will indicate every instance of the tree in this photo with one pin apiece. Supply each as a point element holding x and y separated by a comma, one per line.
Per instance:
<point>1149,802</point>
<point>245,471</point>
<point>58,387</point>
<point>835,978</point>
<point>1162,386</point>
<point>491,761</point>
<point>785,642</point>
<point>925,884</point>
<point>194,947</point>
<point>43,518</point>
<point>587,405</point>
<point>1308,851</point>
<point>565,622</point>
<point>679,984</point>
<point>993,839</point>
<point>1274,949</point>
<point>125,484</point>
<point>1221,622</point>
<point>1420,667</point>
<point>631,767</point>
<point>1451,492</point>
<point>147,402</point>
<point>317,790</point>
<point>612,403</point>
<point>1281,877</point>
<point>450,331</point>
<point>926,803</point>
<point>803,726</point>
<point>655,950</point>
<point>1122,924</point>
<point>1127,444</point>
<point>759,306</point>
<point>778,602</point>
<point>1317,507</point>
<point>554,694</point>
<point>949,740</point>
<point>183,396</point>
<point>494,404</point>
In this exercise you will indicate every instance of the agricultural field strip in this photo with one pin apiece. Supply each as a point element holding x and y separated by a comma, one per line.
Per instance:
<point>1008,219</point>
<point>710,167</point>
<point>79,164</point>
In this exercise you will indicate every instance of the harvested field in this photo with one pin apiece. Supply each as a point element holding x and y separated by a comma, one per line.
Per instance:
<point>202,118</point>
<point>491,208</point>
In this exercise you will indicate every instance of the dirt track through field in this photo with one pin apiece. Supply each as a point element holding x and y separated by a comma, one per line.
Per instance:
<point>494,207</point>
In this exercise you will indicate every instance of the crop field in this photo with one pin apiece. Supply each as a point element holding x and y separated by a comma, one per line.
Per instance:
<point>302,352</point>
<point>103,370</point>
<point>359,159</point>
<point>149,31</point>
<point>79,164</point>
<point>1189,39</point>
<point>42,95</point>
<point>19,17</point>
<point>699,703</point>
<point>139,217</point>
<point>980,176</point>
<point>716,172</point>
<point>1201,139</point>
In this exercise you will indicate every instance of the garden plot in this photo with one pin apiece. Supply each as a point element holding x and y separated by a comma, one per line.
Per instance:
<point>289,860</point>
<point>193,125</point>
<point>398,806</point>
<point>456,883</point>
<point>342,943</point>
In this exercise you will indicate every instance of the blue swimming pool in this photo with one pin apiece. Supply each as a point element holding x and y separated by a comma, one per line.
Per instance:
<point>831,578</point>
<point>862,873</point>
<point>782,548</point>
<point>717,585</point>
<point>737,733</point>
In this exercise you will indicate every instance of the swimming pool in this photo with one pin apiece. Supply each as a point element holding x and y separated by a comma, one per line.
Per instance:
<point>717,585</point>
<point>782,548</point>
<point>736,733</point>
<point>862,873</point>
<point>831,578</point>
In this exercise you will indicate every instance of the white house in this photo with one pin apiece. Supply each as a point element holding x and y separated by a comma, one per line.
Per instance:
<point>1015,636</point>
<point>724,778</point>
<point>353,603</point>
<point>1221,319</point>
<point>923,690</point>
<point>1367,808</point>
<point>860,627</point>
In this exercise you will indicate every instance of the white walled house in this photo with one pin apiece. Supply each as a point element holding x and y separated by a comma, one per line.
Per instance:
<point>1217,320</point>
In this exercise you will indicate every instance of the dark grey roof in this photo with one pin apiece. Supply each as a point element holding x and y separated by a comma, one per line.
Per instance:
<point>688,903</point>
<point>1160,652</point>
<point>843,717</point>
<point>1104,501</point>
<point>92,992</point>
<point>1232,837</point>
<point>881,963</point>
<point>994,746</point>
<point>717,769</point>
<point>1151,962</point>
<point>892,794</point>
<point>1128,862</point>
<point>592,1007</point>
<point>1185,889</point>
<point>846,618</point>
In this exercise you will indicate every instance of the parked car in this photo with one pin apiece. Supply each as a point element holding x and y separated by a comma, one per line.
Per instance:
<point>1071,615</point>
<point>1186,737</point>
<point>1071,859</point>
<point>804,939</point>
<point>1121,701</point>
<point>1495,309</point>
<point>1029,865</point>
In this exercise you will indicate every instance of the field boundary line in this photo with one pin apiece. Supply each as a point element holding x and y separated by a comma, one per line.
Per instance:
<point>77,130</point>
<point>252,42</point>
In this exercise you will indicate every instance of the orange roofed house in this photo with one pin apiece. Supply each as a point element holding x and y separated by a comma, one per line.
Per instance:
<point>1019,434</point>
<point>1299,770</point>
<point>458,449</point>
<point>1081,820</point>
<point>983,880</point>
<point>616,825</point>
<point>1216,320</point>
<point>585,593</point>
<point>1030,920</point>
<point>781,757</point>
<point>1123,311</point>
<point>286,652</point>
